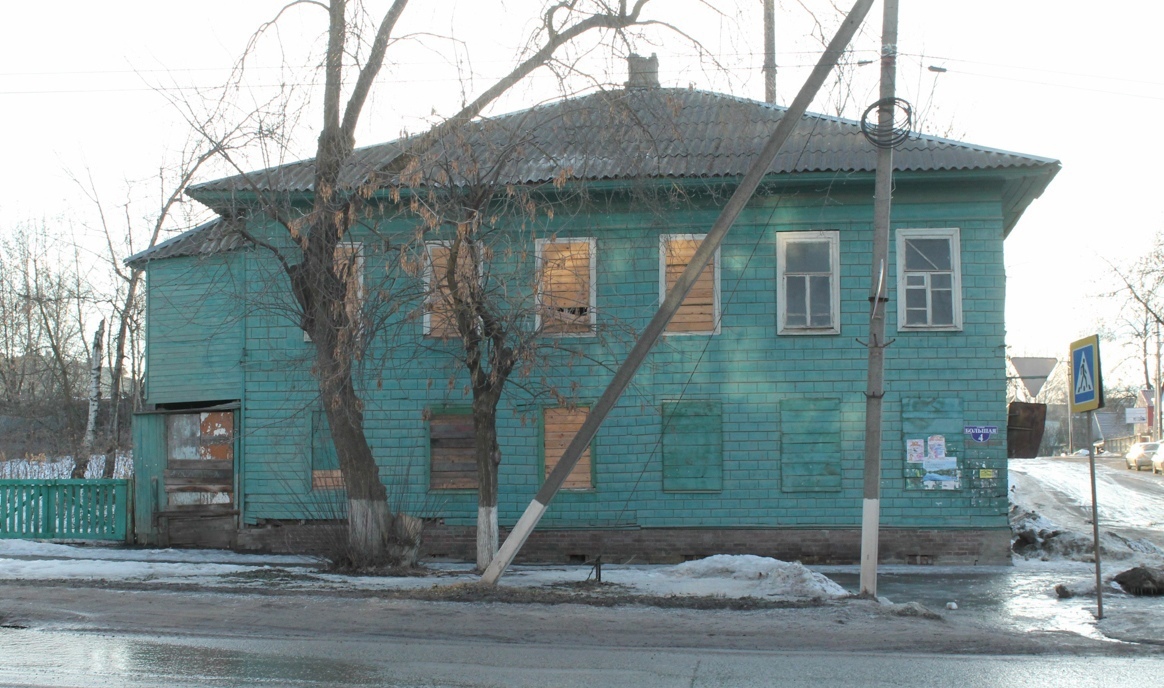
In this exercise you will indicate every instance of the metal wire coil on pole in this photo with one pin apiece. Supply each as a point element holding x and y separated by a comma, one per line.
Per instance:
<point>895,135</point>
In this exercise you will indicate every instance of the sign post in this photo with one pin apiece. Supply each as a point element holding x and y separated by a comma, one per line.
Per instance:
<point>1087,395</point>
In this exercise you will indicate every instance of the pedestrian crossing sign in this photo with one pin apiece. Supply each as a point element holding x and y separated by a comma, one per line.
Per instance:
<point>1086,381</point>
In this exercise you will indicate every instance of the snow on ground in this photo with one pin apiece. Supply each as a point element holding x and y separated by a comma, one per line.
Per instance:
<point>1118,506</point>
<point>722,576</point>
<point>1051,512</point>
<point>25,469</point>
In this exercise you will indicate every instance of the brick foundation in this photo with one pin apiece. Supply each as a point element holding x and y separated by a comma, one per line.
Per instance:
<point>671,545</point>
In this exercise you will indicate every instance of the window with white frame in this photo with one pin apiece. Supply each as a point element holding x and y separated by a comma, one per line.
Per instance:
<point>699,312</point>
<point>808,272</point>
<point>565,285</point>
<point>929,279</point>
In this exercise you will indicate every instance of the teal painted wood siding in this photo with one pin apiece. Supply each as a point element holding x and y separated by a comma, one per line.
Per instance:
<point>692,446</point>
<point>790,408</point>
<point>810,445</point>
<point>194,329</point>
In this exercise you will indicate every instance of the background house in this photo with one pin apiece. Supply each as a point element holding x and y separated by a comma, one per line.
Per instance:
<point>744,430</point>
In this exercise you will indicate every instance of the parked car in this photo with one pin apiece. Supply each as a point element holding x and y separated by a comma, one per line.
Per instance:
<point>1142,455</point>
<point>1158,463</point>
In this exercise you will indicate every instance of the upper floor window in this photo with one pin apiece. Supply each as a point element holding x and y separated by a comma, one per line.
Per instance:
<point>808,273</point>
<point>565,285</point>
<point>929,280</point>
<point>699,312</point>
<point>348,264</point>
<point>439,309</point>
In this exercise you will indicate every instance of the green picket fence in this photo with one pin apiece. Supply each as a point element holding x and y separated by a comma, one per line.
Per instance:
<point>65,509</point>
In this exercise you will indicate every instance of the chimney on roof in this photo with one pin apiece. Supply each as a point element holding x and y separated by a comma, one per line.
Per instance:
<point>643,72</point>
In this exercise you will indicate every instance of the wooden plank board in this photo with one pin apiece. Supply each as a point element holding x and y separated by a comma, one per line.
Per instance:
<point>559,426</point>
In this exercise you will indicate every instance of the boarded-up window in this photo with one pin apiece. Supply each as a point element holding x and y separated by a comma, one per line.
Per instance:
<point>325,470</point>
<point>566,285</point>
<point>692,446</point>
<point>439,320</point>
<point>699,312</point>
<point>560,425</point>
<point>810,445</point>
<point>933,434</point>
<point>348,263</point>
<point>453,466</point>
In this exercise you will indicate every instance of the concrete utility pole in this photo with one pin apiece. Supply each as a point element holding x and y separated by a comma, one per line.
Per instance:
<point>622,377</point>
<point>878,302</point>
<point>770,51</point>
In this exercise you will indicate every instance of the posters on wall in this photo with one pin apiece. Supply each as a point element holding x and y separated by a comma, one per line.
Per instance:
<point>928,467</point>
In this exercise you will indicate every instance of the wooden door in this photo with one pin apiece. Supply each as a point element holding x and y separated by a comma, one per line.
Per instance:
<point>199,479</point>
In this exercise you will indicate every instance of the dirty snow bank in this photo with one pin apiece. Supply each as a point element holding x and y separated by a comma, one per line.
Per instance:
<point>742,575</point>
<point>719,576</point>
<point>1035,536</point>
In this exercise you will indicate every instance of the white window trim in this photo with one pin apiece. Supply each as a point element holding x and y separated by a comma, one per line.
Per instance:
<point>952,234</point>
<point>359,266</point>
<point>715,309</point>
<point>539,245</point>
<point>833,237</point>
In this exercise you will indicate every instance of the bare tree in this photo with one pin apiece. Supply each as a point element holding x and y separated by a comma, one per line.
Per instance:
<point>318,269</point>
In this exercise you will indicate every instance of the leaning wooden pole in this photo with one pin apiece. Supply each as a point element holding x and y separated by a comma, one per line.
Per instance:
<point>622,377</point>
<point>878,303</point>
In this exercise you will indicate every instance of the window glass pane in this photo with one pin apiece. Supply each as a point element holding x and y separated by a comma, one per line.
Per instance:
<point>927,254</point>
<point>795,313</point>
<point>915,298</point>
<point>807,256</point>
<point>941,280</point>
<point>915,316</point>
<point>820,301</point>
<point>915,281</point>
<point>942,307</point>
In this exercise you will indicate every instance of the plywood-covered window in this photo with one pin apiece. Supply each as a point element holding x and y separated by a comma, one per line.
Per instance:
<point>439,320</point>
<point>560,424</point>
<point>699,312</point>
<point>325,470</point>
<point>692,446</point>
<point>348,263</point>
<point>565,285</point>
<point>810,445</point>
<point>452,464</point>
<point>808,274</point>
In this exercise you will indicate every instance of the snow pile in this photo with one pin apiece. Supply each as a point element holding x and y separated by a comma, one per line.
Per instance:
<point>1034,536</point>
<point>25,469</point>
<point>743,575</point>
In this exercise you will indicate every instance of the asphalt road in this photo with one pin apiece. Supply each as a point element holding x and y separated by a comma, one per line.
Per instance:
<point>72,659</point>
<point>65,635</point>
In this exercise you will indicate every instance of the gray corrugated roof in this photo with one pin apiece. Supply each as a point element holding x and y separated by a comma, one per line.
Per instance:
<point>217,236</point>
<point>618,135</point>
<point>643,133</point>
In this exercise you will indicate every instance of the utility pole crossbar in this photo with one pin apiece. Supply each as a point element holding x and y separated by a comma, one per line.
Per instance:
<point>622,377</point>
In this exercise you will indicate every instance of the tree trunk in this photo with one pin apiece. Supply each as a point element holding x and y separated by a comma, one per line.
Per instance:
<point>114,426</point>
<point>81,463</point>
<point>488,455</point>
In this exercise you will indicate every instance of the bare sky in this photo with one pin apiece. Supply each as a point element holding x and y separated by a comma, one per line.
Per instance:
<point>79,89</point>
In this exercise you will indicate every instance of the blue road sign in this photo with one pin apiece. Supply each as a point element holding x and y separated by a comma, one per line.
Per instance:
<point>1086,382</point>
